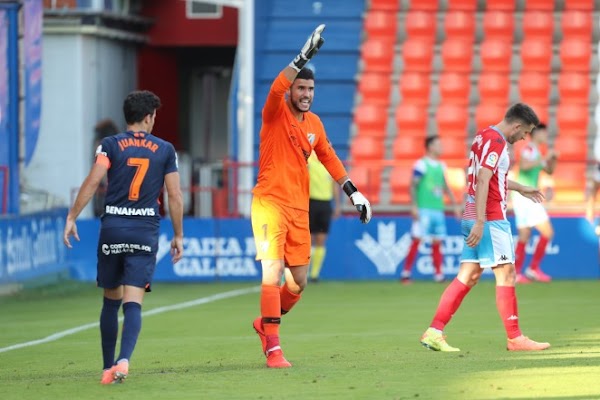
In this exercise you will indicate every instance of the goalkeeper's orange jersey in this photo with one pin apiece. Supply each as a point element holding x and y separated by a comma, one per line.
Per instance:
<point>285,145</point>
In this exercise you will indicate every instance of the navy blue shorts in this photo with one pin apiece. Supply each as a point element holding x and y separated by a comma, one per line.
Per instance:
<point>127,256</point>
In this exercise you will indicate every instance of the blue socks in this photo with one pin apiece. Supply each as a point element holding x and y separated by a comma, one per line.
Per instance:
<point>109,330</point>
<point>132,325</point>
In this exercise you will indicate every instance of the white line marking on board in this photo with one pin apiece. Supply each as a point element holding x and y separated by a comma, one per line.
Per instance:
<point>154,311</point>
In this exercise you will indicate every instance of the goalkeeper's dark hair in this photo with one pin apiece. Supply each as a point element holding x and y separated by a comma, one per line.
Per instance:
<point>138,104</point>
<point>306,73</point>
<point>521,112</point>
<point>429,140</point>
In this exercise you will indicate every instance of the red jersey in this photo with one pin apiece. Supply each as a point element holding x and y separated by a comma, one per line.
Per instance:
<point>489,150</point>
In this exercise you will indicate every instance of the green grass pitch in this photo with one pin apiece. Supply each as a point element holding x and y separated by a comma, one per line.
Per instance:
<point>345,340</point>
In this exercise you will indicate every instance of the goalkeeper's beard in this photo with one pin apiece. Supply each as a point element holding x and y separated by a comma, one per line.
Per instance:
<point>295,105</point>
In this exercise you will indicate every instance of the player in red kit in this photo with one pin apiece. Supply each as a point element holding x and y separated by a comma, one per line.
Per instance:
<point>488,241</point>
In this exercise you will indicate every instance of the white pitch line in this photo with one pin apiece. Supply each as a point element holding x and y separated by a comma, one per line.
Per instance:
<point>154,311</point>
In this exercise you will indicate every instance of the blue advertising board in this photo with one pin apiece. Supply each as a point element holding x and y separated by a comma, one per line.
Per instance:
<point>31,246</point>
<point>223,249</point>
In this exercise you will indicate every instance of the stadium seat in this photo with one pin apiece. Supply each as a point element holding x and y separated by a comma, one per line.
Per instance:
<point>452,120</point>
<point>411,118</point>
<point>424,5</point>
<point>377,55</point>
<point>420,25</point>
<point>574,87</point>
<point>576,25</point>
<point>456,178</point>
<point>460,25</point>
<point>538,24</point>
<point>462,5</point>
<point>415,87</point>
<point>417,55</point>
<point>367,176</point>
<point>571,148</point>
<point>400,181</point>
<point>534,87</point>
<point>583,5</point>
<point>381,24</point>
<point>498,25</point>
<point>494,87</point>
<point>500,5</point>
<point>457,55</point>
<point>455,88</point>
<point>385,5</point>
<point>370,132</point>
<point>575,55</point>
<point>536,55</point>
<point>543,5</point>
<point>496,55</point>
<point>374,88</point>
<point>408,147</point>
<point>365,148</point>
<point>487,114</point>
<point>453,148</point>
<point>371,116</point>
<point>572,120</point>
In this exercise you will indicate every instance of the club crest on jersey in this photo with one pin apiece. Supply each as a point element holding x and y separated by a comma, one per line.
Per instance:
<point>311,138</point>
<point>492,159</point>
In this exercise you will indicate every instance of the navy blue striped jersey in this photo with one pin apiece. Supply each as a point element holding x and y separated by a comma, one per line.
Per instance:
<point>137,164</point>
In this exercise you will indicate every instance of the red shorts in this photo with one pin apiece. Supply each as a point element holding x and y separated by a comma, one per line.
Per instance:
<point>280,233</point>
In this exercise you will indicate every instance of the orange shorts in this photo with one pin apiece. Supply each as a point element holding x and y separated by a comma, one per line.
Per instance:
<point>280,233</point>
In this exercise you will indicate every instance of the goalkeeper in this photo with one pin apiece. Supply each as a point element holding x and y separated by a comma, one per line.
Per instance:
<point>279,213</point>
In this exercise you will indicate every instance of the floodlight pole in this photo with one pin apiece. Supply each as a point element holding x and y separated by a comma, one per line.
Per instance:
<point>245,97</point>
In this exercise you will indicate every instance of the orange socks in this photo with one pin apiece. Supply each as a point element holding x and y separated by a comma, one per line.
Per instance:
<point>270,309</point>
<point>288,299</point>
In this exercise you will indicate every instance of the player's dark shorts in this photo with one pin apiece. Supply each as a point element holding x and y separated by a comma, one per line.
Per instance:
<point>320,212</point>
<point>126,254</point>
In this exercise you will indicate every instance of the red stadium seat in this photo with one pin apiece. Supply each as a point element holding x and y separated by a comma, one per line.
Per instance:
<point>407,147</point>
<point>385,5</point>
<point>571,148</point>
<point>378,133</point>
<point>411,118</point>
<point>544,5</point>
<point>374,88</point>
<point>498,25</point>
<point>415,87</point>
<point>574,88</point>
<point>494,87</point>
<point>400,181</point>
<point>457,55</point>
<point>538,24</point>
<point>583,5</point>
<point>453,148</point>
<point>365,148</point>
<point>496,55</point>
<point>455,88</point>
<point>534,87</point>
<point>536,55</point>
<point>424,5</point>
<point>462,5</point>
<point>381,24</point>
<point>576,24</point>
<point>420,25</point>
<point>377,55</point>
<point>371,116</point>
<point>417,55</point>
<point>452,120</point>
<point>487,114</point>
<point>500,5</point>
<point>367,177</point>
<point>575,55</point>
<point>572,120</point>
<point>460,25</point>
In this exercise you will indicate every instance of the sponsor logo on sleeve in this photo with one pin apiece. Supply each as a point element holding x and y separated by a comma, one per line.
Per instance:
<point>492,159</point>
<point>99,151</point>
